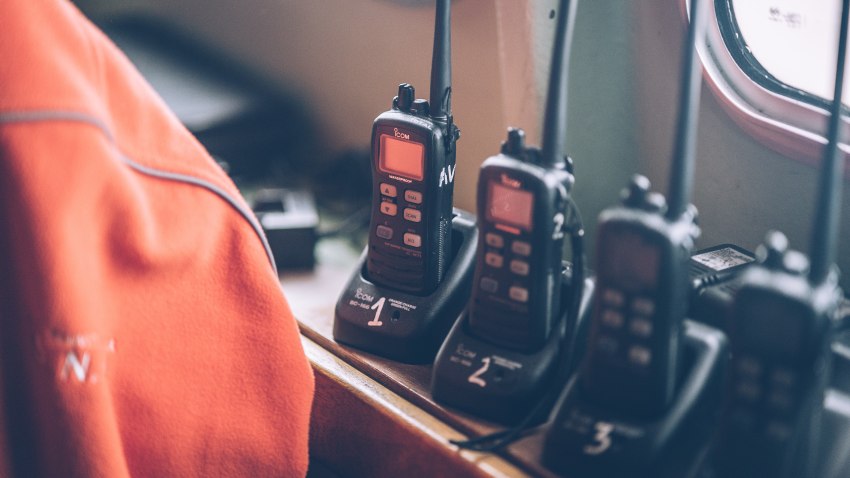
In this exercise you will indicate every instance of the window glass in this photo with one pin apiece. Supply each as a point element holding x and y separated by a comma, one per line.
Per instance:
<point>787,46</point>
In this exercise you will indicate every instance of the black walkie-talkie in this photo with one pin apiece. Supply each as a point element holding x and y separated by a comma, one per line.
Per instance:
<point>523,198</point>
<point>642,265</point>
<point>782,323</point>
<point>413,168</point>
<point>515,337</point>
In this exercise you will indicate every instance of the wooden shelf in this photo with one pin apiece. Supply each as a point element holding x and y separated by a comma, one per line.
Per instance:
<point>312,296</point>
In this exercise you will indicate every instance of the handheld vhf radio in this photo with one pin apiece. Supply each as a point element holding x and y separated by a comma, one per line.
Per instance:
<point>650,385</point>
<point>413,167</point>
<point>781,325</point>
<point>415,275</point>
<point>503,350</point>
<point>642,266</point>
<point>523,199</point>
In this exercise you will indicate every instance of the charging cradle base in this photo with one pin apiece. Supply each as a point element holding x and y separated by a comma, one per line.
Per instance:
<point>497,383</point>
<point>586,440</point>
<point>402,326</point>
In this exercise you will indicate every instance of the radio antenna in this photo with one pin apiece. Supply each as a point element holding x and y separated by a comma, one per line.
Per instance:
<point>555,119</point>
<point>441,62</point>
<point>825,230</point>
<point>682,172</point>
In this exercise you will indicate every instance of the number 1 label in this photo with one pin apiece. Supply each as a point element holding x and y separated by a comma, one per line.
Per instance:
<point>379,305</point>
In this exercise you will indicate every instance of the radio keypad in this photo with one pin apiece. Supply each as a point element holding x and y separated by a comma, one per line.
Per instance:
<point>489,285</point>
<point>388,190</point>
<point>625,318</point>
<point>413,240</point>
<point>413,197</point>
<point>510,282</point>
<point>519,268</point>
<point>411,217</point>
<point>494,240</point>
<point>764,398</point>
<point>521,248</point>
<point>519,294</point>
<point>494,260</point>
<point>389,208</point>
<point>384,232</point>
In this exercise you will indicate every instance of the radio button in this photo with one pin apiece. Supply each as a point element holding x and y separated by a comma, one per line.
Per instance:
<point>519,268</point>
<point>749,367</point>
<point>388,190</point>
<point>384,232</point>
<point>748,390</point>
<point>778,431</point>
<point>413,215</point>
<point>494,260</point>
<point>414,197</point>
<point>781,377</point>
<point>607,345</point>
<point>494,240</point>
<point>489,285</point>
<point>521,247</point>
<point>640,327</point>
<point>519,294</point>
<point>412,240</point>
<point>612,318</point>
<point>640,355</point>
<point>613,297</point>
<point>643,306</point>
<point>389,208</point>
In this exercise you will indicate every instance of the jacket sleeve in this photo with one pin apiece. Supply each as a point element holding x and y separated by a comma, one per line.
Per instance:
<point>143,331</point>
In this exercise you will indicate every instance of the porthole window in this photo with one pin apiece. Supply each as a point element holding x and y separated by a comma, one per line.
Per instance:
<point>771,62</point>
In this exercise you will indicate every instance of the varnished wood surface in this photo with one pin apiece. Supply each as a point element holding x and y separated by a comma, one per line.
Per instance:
<point>312,296</point>
<point>361,428</point>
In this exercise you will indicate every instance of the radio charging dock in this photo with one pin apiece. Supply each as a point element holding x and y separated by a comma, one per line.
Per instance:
<point>402,326</point>
<point>504,385</point>
<point>587,440</point>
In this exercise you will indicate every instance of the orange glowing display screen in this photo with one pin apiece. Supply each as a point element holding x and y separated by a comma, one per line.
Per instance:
<point>405,158</point>
<point>510,206</point>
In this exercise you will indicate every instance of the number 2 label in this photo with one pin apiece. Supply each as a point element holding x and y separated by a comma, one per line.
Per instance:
<point>476,376</point>
<point>379,305</point>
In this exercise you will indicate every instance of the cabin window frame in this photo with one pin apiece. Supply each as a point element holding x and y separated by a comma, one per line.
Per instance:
<point>786,119</point>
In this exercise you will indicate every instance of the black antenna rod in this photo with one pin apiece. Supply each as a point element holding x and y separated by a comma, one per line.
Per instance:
<point>682,172</point>
<point>441,62</point>
<point>555,120</point>
<point>825,231</point>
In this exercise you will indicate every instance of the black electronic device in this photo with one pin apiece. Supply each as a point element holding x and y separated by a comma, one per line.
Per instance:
<point>404,326</point>
<point>413,168</point>
<point>715,274</point>
<point>640,301</point>
<point>590,439</point>
<point>508,342</point>
<point>290,221</point>
<point>522,214</point>
<point>782,324</point>
<point>643,383</point>
<point>642,283</point>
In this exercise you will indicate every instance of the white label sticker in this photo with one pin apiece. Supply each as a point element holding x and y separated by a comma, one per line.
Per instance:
<point>722,259</point>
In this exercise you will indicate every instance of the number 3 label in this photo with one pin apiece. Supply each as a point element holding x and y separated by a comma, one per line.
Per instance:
<point>602,438</point>
<point>376,321</point>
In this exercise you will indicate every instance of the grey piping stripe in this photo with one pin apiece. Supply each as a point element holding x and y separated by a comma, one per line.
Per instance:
<point>47,115</point>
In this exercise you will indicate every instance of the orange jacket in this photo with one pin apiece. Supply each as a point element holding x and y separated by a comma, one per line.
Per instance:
<point>142,327</point>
